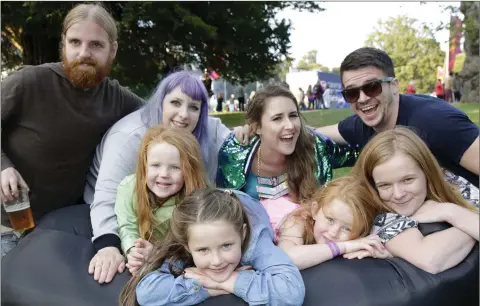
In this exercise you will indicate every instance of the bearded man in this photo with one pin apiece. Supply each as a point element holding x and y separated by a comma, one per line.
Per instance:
<point>55,114</point>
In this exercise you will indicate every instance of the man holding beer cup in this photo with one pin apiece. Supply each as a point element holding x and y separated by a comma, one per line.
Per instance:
<point>55,114</point>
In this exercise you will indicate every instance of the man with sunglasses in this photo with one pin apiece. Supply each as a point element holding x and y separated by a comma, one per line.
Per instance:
<point>373,92</point>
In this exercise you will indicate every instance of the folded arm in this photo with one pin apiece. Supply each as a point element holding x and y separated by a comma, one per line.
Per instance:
<point>463,219</point>
<point>434,253</point>
<point>306,256</point>
<point>303,256</point>
<point>275,280</point>
<point>160,287</point>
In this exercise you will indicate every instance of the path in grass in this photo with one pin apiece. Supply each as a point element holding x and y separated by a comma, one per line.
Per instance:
<point>320,118</point>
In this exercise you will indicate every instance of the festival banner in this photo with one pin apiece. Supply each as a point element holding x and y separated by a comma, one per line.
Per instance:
<point>459,62</point>
<point>456,34</point>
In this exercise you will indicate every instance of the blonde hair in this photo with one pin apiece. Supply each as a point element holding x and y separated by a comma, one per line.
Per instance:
<point>402,140</point>
<point>97,13</point>
<point>349,190</point>
<point>191,166</point>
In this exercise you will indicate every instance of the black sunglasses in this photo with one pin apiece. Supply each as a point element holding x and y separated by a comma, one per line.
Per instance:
<point>371,89</point>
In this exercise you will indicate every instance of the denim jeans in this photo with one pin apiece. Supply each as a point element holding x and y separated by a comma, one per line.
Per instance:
<point>9,241</point>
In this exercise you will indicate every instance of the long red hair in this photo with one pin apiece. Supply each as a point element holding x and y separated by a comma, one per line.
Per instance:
<point>347,189</point>
<point>191,166</point>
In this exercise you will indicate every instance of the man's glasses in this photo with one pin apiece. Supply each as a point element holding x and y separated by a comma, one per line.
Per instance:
<point>371,89</point>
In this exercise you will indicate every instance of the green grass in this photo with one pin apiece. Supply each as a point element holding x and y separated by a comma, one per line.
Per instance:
<point>321,118</point>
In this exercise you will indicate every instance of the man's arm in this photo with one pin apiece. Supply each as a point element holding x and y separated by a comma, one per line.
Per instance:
<point>12,89</point>
<point>11,94</point>
<point>471,158</point>
<point>333,133</point>
<point>450,134</point>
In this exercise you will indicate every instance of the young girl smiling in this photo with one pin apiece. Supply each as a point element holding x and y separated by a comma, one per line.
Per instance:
<point>168,168</point>
<point>334,222</point>
<point>220,242</point>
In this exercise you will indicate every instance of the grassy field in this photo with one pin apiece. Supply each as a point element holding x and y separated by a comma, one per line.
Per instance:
<point>320,118</point>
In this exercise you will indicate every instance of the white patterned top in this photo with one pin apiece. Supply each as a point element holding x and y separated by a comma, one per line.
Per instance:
<point>389,225</point>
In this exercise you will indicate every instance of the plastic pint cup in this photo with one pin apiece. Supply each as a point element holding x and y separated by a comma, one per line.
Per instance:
<point>19,211</point>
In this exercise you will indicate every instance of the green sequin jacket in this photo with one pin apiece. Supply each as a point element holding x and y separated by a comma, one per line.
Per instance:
<point>235,159</point>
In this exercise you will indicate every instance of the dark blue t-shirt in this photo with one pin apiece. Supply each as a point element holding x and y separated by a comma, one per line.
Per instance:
<point>446,130</point>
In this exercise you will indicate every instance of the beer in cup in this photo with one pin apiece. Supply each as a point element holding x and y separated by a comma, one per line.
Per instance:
<point>19,211</point>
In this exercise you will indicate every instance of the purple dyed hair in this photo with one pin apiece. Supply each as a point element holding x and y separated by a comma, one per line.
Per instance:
<point>192,86</point>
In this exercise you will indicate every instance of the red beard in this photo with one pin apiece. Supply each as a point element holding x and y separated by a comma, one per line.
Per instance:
<point>85,77</point>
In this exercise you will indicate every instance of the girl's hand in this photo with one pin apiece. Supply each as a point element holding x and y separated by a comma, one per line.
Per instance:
<point>212,286</point>
<point>214,292</point>
<point>132,269</point>
<point>133,262</point>
<point>202,279</point>
<point>431,212</point>
<point>138,254</point>
<point>369,243</point>
<point>144,247</point>
<point>244,268</point>
<point>364,253</point>
<point>135,258</point>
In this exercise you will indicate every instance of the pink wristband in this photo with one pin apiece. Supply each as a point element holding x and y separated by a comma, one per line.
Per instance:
<point>334,248</point>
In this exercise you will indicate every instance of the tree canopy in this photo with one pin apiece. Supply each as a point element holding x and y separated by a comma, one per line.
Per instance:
<point>413,48</point>
<point>242,41</point>
<point>469,73</point>
<point>309,62</point>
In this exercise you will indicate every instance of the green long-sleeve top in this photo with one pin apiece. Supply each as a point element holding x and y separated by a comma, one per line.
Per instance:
<point>127,218</point>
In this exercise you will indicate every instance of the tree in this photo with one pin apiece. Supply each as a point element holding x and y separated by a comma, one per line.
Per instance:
<point>309,62</point>
<point>336,70</point>
<point>242,41</point>
<point>413,48</point>
<point>283,68</point>
<point>469,73</point>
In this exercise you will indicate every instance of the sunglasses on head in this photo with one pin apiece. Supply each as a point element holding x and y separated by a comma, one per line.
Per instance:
<point>370,89</point>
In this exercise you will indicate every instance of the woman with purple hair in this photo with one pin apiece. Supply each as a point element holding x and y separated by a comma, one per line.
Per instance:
<point>180,101</point>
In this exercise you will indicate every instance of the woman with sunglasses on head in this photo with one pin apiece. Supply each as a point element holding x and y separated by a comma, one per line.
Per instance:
<point>286,161</point>
<point>372,90</point>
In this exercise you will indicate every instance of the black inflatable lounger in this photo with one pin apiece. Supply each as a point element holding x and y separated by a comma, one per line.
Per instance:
<point>50,267</point>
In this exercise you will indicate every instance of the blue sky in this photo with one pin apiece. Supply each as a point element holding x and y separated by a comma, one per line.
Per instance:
<point>344,26</point>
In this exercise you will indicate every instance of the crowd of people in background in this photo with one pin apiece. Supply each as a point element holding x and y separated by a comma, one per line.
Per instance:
<point>311,99</point>
<point>235,103</point>
<point>449,90</point>
<point>314,97</point>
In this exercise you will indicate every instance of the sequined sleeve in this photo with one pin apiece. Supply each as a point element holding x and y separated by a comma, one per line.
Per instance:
<point>232,159</point>
<point>389,225</point>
